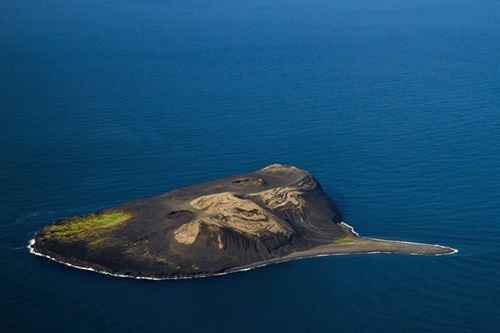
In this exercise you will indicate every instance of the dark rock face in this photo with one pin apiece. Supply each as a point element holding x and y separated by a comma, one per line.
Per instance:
<point>207,228</point>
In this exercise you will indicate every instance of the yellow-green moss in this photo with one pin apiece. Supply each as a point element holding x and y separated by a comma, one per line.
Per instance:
<point>84,227</point>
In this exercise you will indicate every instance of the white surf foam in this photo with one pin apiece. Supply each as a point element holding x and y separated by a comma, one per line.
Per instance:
<point>350,227</point>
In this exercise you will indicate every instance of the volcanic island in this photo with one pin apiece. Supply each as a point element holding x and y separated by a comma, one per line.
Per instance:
<point>276,214</point>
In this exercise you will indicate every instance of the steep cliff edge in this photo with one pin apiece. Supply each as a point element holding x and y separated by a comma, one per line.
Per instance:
<point>275,214</point>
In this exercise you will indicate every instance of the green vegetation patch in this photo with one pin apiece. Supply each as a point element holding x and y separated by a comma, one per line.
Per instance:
<point>347,240</point>
<point>85,227</point>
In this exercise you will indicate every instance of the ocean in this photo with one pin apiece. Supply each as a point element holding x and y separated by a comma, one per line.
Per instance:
<point>394,106</point>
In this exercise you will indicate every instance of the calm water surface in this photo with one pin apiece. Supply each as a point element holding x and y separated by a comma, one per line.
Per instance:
<point>393,105</point>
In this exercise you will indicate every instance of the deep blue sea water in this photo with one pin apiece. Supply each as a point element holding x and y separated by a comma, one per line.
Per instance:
<point>393,105</point>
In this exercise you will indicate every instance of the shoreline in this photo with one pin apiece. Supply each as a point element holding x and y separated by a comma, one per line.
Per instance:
<point>326,251</point>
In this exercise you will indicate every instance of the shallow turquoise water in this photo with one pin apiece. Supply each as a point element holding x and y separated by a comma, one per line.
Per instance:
<point>395,108</point>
